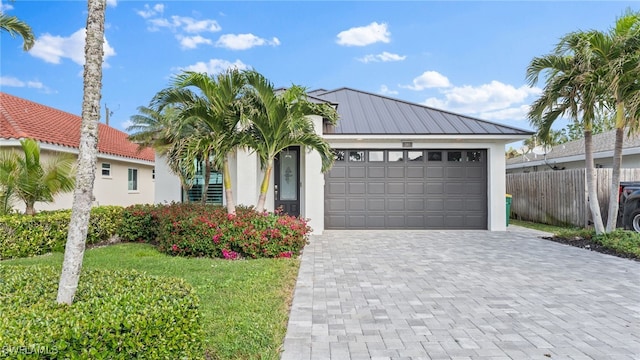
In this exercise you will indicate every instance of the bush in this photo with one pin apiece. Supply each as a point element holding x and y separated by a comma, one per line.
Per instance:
<point>116,315</point>
<point>25,235</point>
<point>621,242</point>
<point>207,230</point>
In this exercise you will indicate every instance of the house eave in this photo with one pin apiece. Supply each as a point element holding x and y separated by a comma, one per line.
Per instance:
<point>566,159</point>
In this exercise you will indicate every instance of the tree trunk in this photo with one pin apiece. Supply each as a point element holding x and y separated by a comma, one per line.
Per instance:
<point>83,194</point>
<point>592,192</point>
<point>206,178</point>
<point>228,190</point>
<point>262,199</point>
<point>615,181</point>
<point>30,209</point>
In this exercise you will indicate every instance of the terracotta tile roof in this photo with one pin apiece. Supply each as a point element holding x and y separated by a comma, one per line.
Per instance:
<point>20,118</point>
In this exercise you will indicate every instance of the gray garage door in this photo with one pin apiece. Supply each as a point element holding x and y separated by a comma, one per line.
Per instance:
<point>407,189</point>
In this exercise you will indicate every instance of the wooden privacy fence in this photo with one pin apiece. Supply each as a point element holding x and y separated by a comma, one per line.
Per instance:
<point>560,197</point>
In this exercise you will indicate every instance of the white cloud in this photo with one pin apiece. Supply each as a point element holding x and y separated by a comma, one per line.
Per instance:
<point>429,79</point>
<point>113,3</point>
<point>244,41</point>
<point>364,35</point>
<point>10,81</point>
<point>192,42</point>
<point>382,57</point>
<point>183,23</point>
<point>215,66</point>
<point>492,101</point>
<point>150,11</point>
<point>384,90</point>
<point>5,7</point>
<point>52,48</point>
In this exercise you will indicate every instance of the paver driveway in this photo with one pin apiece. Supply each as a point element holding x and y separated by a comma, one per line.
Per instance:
<point>461,295</point>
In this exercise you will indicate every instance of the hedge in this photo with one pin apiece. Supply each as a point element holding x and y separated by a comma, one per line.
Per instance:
<point>25,235</point>
<point>208,231</point>
<point>115,315</point>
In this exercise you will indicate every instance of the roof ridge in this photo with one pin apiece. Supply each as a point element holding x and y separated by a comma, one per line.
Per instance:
<point>423,106</point>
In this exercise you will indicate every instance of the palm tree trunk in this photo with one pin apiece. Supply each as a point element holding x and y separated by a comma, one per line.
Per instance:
<point>264,187</point>
<point>228,190</point>
<point>206,177</point>
<point>30,209</point>
<point>594,204</point>
<point>87,156</point>
<point>612,218</point>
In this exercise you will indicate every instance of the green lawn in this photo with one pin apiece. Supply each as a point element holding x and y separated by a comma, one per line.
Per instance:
<point>244,304</point>
<point>537,226</point>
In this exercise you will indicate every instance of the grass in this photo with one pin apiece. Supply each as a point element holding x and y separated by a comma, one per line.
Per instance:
<point>537,226</point>
<point>620,242</point>
<point>244,304</point>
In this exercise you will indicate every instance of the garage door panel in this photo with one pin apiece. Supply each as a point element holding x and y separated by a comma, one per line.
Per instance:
<point>336,205</point>
<point>395,221</point>
<point>395,172</point>
<point>375,172</point>
<point>338,172</point>
<point>357,172</point>
<point>356,205</point>
<point>376,204</point>
<point>337,188</point>
<point>432,194</point>
<point>376,221</point>
<point>415,172</point>
<point>375,188</point>
<point>395,205</point>
<point>356,188</point>
<point>395,188</point>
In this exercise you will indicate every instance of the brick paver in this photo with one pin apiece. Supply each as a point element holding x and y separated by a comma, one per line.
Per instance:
<point>461,295</point>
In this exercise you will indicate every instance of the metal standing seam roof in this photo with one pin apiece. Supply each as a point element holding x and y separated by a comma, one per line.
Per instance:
<point>363,113</point>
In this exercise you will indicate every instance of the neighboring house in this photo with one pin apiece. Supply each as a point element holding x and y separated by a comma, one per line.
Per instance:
<point>398,165</point>
<point>124,175</point>
<point>570,155</point>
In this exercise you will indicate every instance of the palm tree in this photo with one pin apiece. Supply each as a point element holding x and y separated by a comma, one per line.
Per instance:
<point>162,131</point>
<point>212,111</point>
<point>87,157</point>
<point>277,120</point>
<point>25,177</point>
<point>619,52</point>
<point>15,26</point>
<point>572,89</point>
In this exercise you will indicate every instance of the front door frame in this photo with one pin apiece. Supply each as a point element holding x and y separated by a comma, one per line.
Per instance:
<point>291,207</point>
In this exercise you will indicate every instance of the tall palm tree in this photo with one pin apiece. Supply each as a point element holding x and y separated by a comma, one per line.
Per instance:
<point>619,51</point>
<point>162,131</point>
<point>572,89</point>
<point>15,26</point>
<point>210,106</point>
<point>87,157</point>
<point>25,177</point>
<point>277,120</point>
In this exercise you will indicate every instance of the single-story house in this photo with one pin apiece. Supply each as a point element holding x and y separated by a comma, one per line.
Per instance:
<point>124,175</point>
<point>399,165</point>
<point>570,155</point>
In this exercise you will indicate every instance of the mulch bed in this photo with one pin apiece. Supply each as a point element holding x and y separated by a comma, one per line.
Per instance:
<point>589,244</point>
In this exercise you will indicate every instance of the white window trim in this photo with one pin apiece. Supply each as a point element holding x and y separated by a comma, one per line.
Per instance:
<point>102,168</point>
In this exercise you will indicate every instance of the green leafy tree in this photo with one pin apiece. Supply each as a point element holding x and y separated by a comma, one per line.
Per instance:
<point>573,89</point>
<point>15,26</point>
<point>88,153</point>
<point>24,177</point>
<point>276,120</point>
<point>209,105</point>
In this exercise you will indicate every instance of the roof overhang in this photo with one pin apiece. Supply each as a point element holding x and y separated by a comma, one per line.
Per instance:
<point>502,138</point>
<point>526,162</point>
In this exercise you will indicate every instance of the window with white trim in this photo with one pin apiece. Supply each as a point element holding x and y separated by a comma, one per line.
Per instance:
<point>133,179</point>
<point>106,170</point>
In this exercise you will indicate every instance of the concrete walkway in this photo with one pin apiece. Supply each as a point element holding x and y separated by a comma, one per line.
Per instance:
<point>461,295</point>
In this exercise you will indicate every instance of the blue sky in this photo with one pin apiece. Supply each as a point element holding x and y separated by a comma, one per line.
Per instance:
<point>468,56</point>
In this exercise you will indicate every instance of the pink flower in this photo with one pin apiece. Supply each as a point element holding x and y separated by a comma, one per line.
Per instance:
<point>174,247</point>
<point>229,254</point>
<point>286,254</point>
<point>230,216</point>
<point>216,238</point>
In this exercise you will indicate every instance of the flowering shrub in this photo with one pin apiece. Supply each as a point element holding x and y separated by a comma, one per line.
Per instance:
<point>206,230</point>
